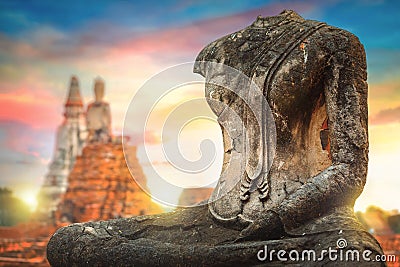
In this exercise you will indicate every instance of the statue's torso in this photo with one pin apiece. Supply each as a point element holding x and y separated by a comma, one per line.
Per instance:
<point>283,56</point>
<point>98,116</point>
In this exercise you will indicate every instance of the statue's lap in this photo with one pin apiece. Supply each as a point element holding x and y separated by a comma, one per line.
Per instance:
<point>187,237</point>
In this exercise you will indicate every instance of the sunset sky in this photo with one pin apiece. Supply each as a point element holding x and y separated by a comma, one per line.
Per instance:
<point>43,43</point>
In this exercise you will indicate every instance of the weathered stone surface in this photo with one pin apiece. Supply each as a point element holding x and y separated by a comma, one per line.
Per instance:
<point>187,237</point>
<point>313,77</point>
<point>310,72</point>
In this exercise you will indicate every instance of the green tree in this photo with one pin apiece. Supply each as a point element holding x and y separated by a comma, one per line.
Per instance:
<point>12,209</point>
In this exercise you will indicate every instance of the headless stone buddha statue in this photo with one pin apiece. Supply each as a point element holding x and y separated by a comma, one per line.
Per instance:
<point>297,195</point>
<point>98,116</point>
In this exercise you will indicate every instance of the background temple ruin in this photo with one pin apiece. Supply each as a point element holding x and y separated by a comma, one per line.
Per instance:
<point>86,181</point>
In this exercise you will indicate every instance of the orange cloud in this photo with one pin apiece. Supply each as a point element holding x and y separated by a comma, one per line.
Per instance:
<point>383,96</point>
<point>37,110</point>
<point>391,115</point>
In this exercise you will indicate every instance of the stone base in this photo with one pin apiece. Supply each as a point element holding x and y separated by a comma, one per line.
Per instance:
<point>190,237</point>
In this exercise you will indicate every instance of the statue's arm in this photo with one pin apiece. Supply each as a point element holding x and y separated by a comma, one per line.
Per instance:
<point>342,182</point>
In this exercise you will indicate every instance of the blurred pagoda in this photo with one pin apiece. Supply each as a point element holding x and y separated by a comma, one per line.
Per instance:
<point>71,137</point>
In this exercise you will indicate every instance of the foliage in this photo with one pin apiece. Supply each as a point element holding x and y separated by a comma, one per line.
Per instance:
<point>12,209</point>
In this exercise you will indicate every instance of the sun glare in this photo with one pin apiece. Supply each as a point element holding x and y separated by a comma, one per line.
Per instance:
<point>30,199</point>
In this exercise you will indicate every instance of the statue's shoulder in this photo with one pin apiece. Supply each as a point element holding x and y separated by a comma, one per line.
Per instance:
<point>210,53</point>
<point>336,41</point>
